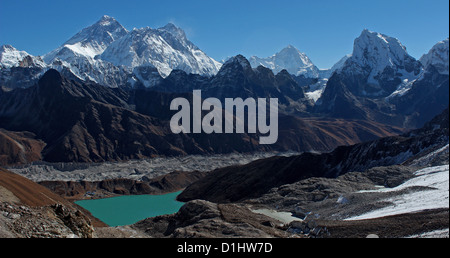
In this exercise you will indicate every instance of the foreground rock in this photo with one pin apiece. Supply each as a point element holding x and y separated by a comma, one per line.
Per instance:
<point>55,221</point>
<point>202,219</point>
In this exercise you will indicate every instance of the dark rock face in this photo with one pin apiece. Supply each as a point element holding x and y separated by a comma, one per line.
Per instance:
<point>236,79</point>
<point>19,77</point>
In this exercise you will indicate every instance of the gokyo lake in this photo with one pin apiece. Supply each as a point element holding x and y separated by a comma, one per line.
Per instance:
<point>127,210</point>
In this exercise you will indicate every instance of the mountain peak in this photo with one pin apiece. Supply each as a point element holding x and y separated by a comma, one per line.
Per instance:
<point>7,48</point>
<point>238,59</point>
<point>438,56</point>
<point>174,30</point>
<point>291,47</point>
<point>233,64</point>
<point>100,34</point>
<point>291,50</point>
<point>171,26</point>
<point>373,52</point>
<point>50,79</point>
<point>10,56</point>
<point>289,58</point>
<point>370,44</point>
<point>106,17</point>
<point>106,21</point>
<point>166,48</point>
<point>379,64</point>
<point>89,42</point>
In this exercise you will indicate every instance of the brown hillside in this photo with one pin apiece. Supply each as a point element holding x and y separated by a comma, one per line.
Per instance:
<point>19,148</point>
<point>28,192</point>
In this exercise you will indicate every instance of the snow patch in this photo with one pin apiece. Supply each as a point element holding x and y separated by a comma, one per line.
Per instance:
<point>434,194</point>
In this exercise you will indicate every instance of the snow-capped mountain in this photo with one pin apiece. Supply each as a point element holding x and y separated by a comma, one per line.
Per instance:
<point>18,69</point>
<point>382,82</point>
<point>429,93</point>
<point>381,64</point>
<point>166,48</point>
<point>11,57</point>
<point>438,56</point>
<point>436,61</point>
<point>339,64</point>
<point>89,42</point>
<point>289,59</point>
<point>107,53</point>
<point>378,52</point>
<point>79,52</point>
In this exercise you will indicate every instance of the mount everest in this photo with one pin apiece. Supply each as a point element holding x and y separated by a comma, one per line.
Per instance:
<point>108,54</point>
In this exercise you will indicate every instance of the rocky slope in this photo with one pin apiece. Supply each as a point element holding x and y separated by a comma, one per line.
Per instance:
<point>19,148</point>
<point>239,183</point>
<point>201,219</point>
<point>28,210</point>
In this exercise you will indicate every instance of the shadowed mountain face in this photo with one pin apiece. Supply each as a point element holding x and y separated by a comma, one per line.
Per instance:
<point>237,79</point>
<point>239,183</point>
<point>87,122</point>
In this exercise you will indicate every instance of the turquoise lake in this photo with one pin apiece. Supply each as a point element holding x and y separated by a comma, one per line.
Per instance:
<point>127,210</point>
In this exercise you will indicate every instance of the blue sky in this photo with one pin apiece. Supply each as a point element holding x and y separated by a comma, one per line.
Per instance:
<point>323,29</point>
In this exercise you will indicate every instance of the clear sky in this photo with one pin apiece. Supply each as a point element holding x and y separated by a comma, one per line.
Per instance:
<point>323,29</point>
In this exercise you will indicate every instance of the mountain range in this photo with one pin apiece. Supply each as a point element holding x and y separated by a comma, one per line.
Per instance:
<point>117,86</point>
<point>87,122</point>
<point>108,54</point>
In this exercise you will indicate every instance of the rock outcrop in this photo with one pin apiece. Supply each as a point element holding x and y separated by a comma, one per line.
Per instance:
<point>202,219</point>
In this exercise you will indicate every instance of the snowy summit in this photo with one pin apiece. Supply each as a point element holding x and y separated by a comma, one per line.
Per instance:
<point>289,59</point>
